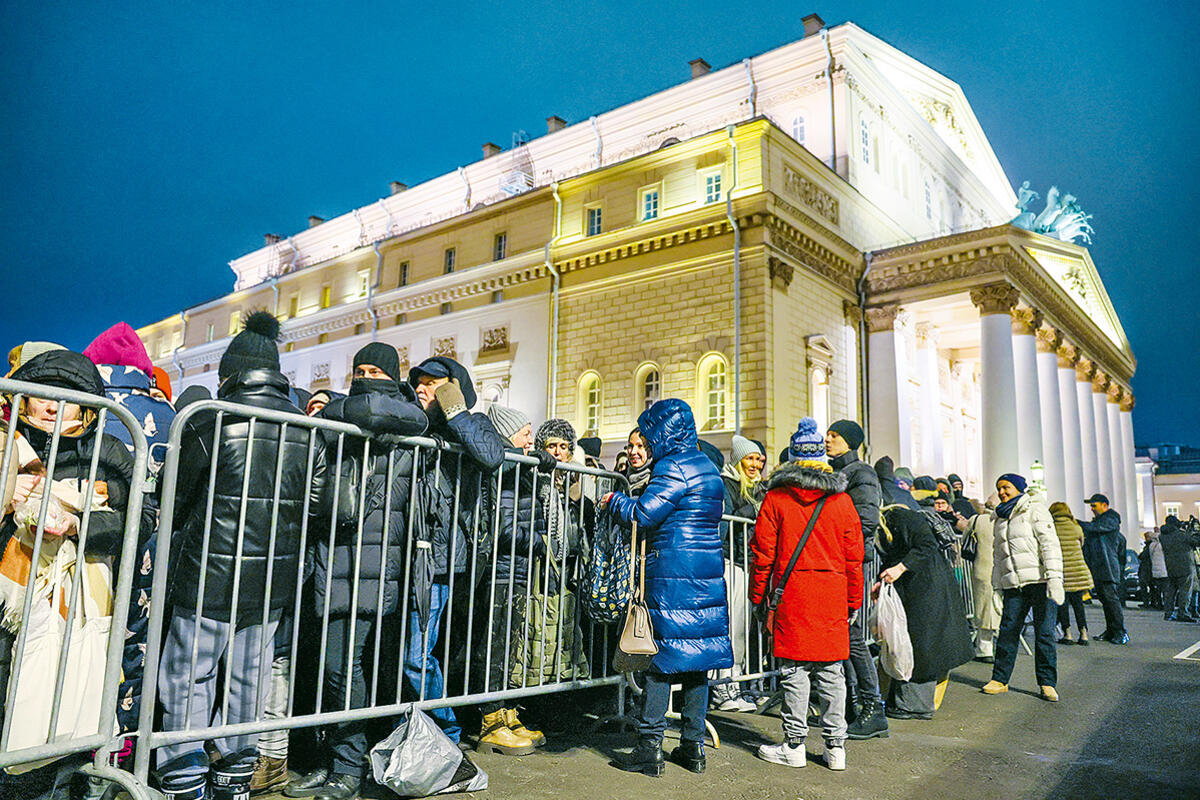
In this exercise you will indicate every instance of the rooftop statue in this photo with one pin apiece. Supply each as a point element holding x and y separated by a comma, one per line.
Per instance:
<point>1062,218</point>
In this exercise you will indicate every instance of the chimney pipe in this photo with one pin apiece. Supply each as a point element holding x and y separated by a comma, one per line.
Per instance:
<point>490,149</point>
<point>555,124</point>
<point>272,238</point>
<point>314,220</point>
<point>699,67</point>
<point>398,187</point>
<point>812,24</point>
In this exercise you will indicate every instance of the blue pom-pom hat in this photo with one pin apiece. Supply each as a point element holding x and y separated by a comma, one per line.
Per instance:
<point>807,447</point>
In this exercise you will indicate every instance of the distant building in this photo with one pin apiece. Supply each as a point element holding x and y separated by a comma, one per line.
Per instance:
<point>1168,482</point>
<point>821,229</point>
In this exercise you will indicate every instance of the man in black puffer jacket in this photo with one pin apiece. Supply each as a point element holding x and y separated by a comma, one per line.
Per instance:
<point>233,561</point>
<point>841,445</point>
<point>361,582</point>
<point>445,391</point>
<point>892,493</point>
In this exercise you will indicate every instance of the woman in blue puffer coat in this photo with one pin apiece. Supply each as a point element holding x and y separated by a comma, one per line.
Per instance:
<point>679,514</point>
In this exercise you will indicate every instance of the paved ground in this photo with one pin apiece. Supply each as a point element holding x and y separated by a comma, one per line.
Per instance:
<point>1128,726</point>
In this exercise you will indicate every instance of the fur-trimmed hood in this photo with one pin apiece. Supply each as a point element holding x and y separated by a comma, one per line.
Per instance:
<point>794,476</point>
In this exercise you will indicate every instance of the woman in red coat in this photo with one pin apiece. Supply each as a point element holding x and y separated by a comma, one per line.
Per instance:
<point>811,637</point>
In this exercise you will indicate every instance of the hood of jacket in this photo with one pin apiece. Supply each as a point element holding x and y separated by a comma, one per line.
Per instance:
<point>116,376</point>
<point>456,370</point>
<point>794,476</point>
<point>669,427</point>
<point>255,382</point>
<point>64,369</point>
<point>885,469</point>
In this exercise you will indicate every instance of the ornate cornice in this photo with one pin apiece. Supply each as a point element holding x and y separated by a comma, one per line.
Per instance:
<point>781,270</point>
<point>807,251</point>
<point>882,318</point>
<point>659,241</point>
<point>1048,339</point>
<point>995,298</point>
<point>1025,320</point>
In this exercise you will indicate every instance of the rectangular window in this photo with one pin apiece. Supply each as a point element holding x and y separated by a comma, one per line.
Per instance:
<point>403,274</point>
<point>712,188</point>
<point>401,318</point>
<point>595,220</point>
<point>447,308</point>
<point>211,332</point>
<point>364,282</point>
<point>234,322</point>
<point>1171,509</point>
<point>448,262</point>
<point>293,306</point>
<point>648,204</point>
<point>500,247</point>
<point>326,296</point>
<point>498,296</point>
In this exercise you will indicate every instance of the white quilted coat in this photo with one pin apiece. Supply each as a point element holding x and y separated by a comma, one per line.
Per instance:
<point>1025,546</point>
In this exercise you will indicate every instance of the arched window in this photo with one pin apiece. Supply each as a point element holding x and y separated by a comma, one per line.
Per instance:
<point>590,390</point>
<point>713,392</point>
<point>864,133</point>
<point>492,393</point>
<point>818,396</point>
<point>798,128</point>
<point>647,387</point>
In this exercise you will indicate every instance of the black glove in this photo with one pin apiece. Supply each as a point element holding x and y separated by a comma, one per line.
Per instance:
<point>546,462</point>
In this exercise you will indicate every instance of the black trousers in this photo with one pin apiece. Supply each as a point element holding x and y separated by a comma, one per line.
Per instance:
<point>347,740</point>
<point>1074,601</point>
<point>1178,594</point>
<point>1110,599</point>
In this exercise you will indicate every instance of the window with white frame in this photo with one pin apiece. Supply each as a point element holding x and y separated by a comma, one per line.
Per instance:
<point>798,128</point>
<point>595,220</point>
<point>864,133</point>
<point>648,202</point>
<point>711,186</point>
<point>499,247</point>
<point>211,332</point>
<point>364,282</point>
<point>928,201</point>
<point>1171,509</point>
<point>713,391</point>
<point>590,396</point>
<point>818,396</point>
<point>403,279</point>
<point>647,383</point>
<point>448,260</point>
<point>235,322</point>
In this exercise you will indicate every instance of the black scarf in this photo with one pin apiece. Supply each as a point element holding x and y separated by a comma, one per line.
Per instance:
<point>638,478</point>
<point>1005,509</point>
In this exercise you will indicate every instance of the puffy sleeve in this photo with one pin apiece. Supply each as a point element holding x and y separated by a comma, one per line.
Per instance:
<point>764,546</point>
<point>667,485</point>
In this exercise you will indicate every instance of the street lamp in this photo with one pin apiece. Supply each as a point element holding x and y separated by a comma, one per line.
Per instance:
<point>1037,471</point>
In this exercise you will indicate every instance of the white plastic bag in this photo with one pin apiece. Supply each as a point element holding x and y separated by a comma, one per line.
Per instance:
<point>418,760</point>
<point>890,626</point>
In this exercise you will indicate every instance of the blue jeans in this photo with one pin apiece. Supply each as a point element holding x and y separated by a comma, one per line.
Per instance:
<point>651,720</point>
<point>1017,603</point>
<point>420,661</point>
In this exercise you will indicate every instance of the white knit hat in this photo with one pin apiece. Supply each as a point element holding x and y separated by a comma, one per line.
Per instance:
<point>741,447</point>
<point>507,420</point>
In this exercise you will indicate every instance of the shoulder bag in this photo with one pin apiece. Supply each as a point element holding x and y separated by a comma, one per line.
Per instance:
<point>773,596</point>
<point>636,648</point>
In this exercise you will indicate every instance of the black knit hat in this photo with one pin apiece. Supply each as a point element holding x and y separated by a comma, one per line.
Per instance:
<point>253,348</point>
<point>849,430</point>
<point>591,446</point>
<point>380,355</point>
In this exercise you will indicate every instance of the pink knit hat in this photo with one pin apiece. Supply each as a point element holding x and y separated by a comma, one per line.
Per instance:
<point>120,345</point>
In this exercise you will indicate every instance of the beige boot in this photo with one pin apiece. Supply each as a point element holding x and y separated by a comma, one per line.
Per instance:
<point>496,737</point>
<point>269,773</point>
<point>516,726</point>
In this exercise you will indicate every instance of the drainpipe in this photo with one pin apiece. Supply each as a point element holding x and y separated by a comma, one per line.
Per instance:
<point>372,287</point>
<point>753,97</point>
<point>390,220</point>
<point>737,281</point>
<point>862,352</point>
<point>275,289</point>
<point>599,141</point>
<point>182,341</point>
<point>556,281</point>
<point>832,125</point>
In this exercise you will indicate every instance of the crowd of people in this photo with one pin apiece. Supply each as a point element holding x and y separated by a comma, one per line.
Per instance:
<point>736,549</point>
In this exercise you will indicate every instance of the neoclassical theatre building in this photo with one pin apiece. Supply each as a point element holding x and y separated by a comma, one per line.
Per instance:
<point>821,229</point>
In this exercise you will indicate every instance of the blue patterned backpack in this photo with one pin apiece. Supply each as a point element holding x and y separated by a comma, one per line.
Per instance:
<point>605,588</point>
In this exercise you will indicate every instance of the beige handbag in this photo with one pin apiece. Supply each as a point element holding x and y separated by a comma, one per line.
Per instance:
<point>636,648</point>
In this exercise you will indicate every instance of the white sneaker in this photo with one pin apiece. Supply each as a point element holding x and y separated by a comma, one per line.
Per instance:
<point>835,758</point>
<point>785,753</point>
<point>737,704</point>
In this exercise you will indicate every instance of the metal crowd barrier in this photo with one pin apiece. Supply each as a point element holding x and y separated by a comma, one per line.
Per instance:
<point>52,649</point>
<point>477,631</point>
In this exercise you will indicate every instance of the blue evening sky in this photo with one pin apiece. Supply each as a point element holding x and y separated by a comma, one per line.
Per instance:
<point>144,145</point>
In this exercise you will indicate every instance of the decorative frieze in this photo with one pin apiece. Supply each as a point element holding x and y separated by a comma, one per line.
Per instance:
<point>402,351</point>
<point>780,270</point>
<point>995,298</point>
<point>445,346</point>
<point>493,339</point>
<point>811,195</point>
<point>320,371</point>
<point>882,318</point>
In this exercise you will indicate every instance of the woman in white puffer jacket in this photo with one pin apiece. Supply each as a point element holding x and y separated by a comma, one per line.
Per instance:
<point>1027,569</point>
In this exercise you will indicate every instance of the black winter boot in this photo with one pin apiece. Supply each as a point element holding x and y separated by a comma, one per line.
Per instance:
<point>230,778</point>
<point>689,755</point>
<point>646,758</point>
<point>870,723</point>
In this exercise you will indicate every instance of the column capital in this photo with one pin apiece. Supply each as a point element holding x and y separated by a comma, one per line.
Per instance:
<point>1049,338</point>
<point>1126,402</point>
<point>1025,320</point>
<point>852,313</point>
<point>1068,354</point>
<point>1115,391</point>
<point>1100,381</point>
<point>1084,370</point>
<point>882,318</point>
<point>926,335</point>
<point>995,298</point>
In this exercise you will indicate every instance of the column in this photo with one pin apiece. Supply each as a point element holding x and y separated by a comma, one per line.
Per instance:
<point>1087,426</point>
<point>1117,447</point>
<point>998,417</point>
<point>1050,408</point>
<point>1072,442</point>
<point>853,315</point>
<point>1104,461</point>
<point>1025,372</point>
<point>1125,408</point>
<point>887,397</point>
<point>932,461</point>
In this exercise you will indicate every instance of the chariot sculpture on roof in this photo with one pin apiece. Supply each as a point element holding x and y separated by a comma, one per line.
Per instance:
<point>1062,218</point>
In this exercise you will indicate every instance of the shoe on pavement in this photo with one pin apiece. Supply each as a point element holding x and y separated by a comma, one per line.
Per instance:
<point>1186,618</point>
<point>689,755</point>
<point>307,785</point>
<point>496,737</point>
<point>1083,639</point>
<point>738,704</point>
<point>516,726</point>
<point>898,714</point>
<point>1050,693</point>
<point>789,754</point>
<point>835,758</point>
<point>1066,640</point>
<point>341,787</point>
<point>646,758</point>
<point>869,724</point>
<point>994,687</point>
<point>269,773</point>
<point>985,659</point>
<point>1104,637</point>
<point>1120,638</point>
